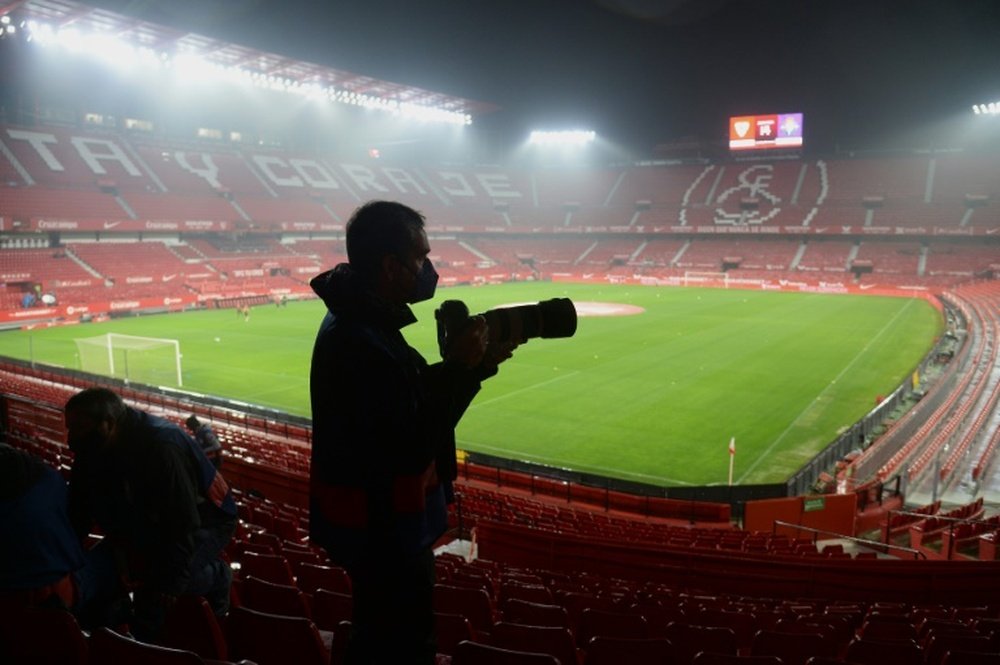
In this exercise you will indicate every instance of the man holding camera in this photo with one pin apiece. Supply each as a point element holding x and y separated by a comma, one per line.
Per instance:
<point>383,453</point>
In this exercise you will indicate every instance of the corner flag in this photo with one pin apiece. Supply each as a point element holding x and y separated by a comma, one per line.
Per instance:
<point>732,457</point>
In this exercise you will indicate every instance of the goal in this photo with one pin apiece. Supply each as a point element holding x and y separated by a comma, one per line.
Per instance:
<point>150,360</point>
<point>699,278</point>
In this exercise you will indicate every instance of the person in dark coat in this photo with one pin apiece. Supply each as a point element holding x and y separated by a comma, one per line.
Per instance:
<point>383,453</point>
<point>164,510</point>
<point>40,550</point>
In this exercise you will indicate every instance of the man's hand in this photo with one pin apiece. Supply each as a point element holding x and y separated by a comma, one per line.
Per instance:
<point>469,347</point>
<point>498,353</point>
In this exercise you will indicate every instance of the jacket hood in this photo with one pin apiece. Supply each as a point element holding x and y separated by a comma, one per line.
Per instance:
<point>345,294</point>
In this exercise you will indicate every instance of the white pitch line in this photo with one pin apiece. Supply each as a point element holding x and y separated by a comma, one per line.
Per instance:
<point>525,389</point>
<point>766,453</point>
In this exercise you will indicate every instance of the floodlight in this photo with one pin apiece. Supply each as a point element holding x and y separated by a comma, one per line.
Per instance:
<point>992,108</point>
<point>562,138</point>
<point>4,20</point>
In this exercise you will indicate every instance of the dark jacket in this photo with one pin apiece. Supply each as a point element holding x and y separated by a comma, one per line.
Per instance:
<point>39,546</point>
<point>148,494</point>
<point>383,452</point>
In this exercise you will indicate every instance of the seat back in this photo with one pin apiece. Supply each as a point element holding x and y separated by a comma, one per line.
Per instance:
<point>535,614</point>
<point>473,604</point>
<point>45,637</point>
<point>191,626</point>
<point>616,651</point>
<point>552,640</point>
<point>473,653</point>
<point>272,639</point>
<point>258,594</point>
<point>791,648</point>
<point>311,577</point>
<point>109,648</point>
<point>689,640</point>
<point>268,567</point>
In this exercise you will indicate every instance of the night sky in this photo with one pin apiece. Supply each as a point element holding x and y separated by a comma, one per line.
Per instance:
<point>642,71</point>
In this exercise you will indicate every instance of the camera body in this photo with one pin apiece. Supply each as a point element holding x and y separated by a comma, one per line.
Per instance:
<point>547,319</point>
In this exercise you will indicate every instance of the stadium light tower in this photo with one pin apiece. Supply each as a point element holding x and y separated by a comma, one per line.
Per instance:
<point>562,138</point>
<point>992,108</point>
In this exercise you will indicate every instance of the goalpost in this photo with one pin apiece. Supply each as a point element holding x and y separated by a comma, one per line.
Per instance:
<point>706,278</point>
<point>150,360</point>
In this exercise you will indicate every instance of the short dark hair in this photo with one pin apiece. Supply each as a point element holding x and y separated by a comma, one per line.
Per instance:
<point>192,422</point>
<point>379,228</point>
<point>99,404</point>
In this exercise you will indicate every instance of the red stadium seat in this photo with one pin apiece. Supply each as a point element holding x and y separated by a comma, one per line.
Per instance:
<point>536,614</point>
<point>473,653</point>
<point>266,567</point>
<point>556,642</point>
<point>451,629</point>
<point>473,604</point>
<point>191,626</point>
<point>109,648</point>
<point>42,637</point>
<point>274,598</point>
<point>272,639</point>
<point>617,650</point>
<point>792,648</point>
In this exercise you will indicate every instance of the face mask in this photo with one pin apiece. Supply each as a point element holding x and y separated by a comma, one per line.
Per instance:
<point>425,284</point>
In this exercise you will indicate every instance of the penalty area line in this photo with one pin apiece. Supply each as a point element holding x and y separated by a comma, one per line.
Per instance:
<point>476,405</point>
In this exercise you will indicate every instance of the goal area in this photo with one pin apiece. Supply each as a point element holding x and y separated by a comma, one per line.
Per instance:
<point>149,360</point>
<point>706,278</point>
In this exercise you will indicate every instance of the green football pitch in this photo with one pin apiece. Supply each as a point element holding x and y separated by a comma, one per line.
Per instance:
<point>654,396</point>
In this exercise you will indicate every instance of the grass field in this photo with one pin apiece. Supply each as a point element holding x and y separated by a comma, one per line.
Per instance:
<point>653,397</point>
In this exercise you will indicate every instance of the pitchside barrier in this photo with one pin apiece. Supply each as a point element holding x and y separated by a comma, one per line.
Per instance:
<point>859,435</point>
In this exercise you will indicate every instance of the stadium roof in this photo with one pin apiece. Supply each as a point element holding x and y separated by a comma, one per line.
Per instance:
<point>66,13</point>
<point>865,73</point>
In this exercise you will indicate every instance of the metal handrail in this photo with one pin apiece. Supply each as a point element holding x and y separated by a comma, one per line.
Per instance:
<point>873,544</point>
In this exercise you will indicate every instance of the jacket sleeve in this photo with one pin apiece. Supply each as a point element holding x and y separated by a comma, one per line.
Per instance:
<point>171,498</point>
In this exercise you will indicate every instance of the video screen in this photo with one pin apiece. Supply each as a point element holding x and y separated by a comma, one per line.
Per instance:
<point>765,132</point>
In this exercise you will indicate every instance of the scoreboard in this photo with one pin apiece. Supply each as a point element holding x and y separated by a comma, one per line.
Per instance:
<point>765,132</point>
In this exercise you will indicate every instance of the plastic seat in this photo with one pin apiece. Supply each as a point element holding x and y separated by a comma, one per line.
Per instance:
<point>888,631</point>
<point>940,645</point>
<point>268,567</point>
<point>599,623</point>
<point>536,614</point>
<point>109,648</point>
<point>473,653</point>
<point>310,577</point>
<point>554,641</point>
<point>870,652</point>
<point>689,640</point>
<point>791,648</point>
<point>450,630</point>
<point>272,639</point>
<point>743,625</point>
<point>971,658</point>
<point>617,651</point>
<point>266,596</point>
<point>191,626</point>
<point>705,658</point>
<point>42,637</point>
<point>534,593</point>
<point>329,608</point>
<point>473,604</point>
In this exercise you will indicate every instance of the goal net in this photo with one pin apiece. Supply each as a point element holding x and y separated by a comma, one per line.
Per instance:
<point>148,360</point>
<point>705,278</point>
